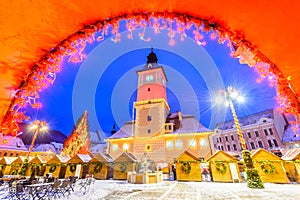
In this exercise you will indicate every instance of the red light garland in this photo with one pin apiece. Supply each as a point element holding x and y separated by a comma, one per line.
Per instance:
<point>44,71</point>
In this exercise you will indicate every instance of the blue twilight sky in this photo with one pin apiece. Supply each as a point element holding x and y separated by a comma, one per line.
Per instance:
<point>105,83</point>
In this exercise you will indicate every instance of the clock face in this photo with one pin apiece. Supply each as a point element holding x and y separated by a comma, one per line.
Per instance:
<point>149,78</point>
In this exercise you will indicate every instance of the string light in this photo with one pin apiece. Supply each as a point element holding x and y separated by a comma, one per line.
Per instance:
<point>43,73</point>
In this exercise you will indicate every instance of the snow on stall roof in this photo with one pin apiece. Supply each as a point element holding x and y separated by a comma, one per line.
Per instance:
<point>291,154</point>
<point>84,157</point>
<point>63,159</point>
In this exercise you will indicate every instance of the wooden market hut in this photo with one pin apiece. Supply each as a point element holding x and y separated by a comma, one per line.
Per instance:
<point>17,164</point>
<point>99,166</point>
<point>269,166</point>
<point>36,162</point>
<point>124,163</point>
<point>224,167</point>
<point>57,166</point>
<point>5,162</point>
<point>188,167</point>
<point>292,165</point>
<point>78,166</point>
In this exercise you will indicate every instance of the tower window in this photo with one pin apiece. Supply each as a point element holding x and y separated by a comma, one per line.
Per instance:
<point>148,89</point>
<point>260,144</point>
<point>256,134</point>
<point>148,147</point>
<point>149,131</point>
<point>226,138</point>
<point>149,118</point>
<point>266,132</point>
<point>271,131</point>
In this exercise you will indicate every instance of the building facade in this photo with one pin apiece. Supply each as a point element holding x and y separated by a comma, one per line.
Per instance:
<point>261,130</point>
<point>156,131</point>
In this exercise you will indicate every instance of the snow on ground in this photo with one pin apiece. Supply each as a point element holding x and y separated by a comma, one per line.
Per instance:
<point>168,190</point>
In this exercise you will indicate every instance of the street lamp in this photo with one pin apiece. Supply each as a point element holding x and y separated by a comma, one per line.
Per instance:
<point>37,126</point>
<point>253,179</point>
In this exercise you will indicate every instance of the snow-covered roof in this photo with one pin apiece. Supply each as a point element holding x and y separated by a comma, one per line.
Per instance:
<point>8,160</point>
<point>63,159</point>
<point>84,157</point>
<point>291,135</point>
<point>57,145</point>
<point>291,154</point>
<point>124,132</point>
<point>189,124</point>
<point>97,137</point>
<point>99,148</point>
<point>45,147</point>
<point>247,120</point>
<point>12,143</point>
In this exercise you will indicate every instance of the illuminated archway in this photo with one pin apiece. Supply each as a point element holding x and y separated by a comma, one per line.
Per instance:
<point>44,71</point>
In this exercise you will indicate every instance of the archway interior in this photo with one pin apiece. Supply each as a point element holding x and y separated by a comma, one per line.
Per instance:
<point>44,72</point>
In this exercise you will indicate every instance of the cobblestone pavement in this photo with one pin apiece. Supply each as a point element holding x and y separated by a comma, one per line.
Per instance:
<point>107,190</point>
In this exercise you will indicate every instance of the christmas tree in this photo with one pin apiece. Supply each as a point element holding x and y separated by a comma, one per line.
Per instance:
<point>79,140</point>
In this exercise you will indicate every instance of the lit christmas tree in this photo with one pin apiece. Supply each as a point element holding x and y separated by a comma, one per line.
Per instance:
<point>79,140</point>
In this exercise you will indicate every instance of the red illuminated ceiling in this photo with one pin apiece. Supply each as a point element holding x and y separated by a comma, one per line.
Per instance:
<point>29,29</point>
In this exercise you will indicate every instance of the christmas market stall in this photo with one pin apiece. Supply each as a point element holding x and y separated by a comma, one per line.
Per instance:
<point>20,165</point>
<point>188,167</point>
<point>224,167</point>
<point>292,164</point>
<point>269,166</point>
<point>5,164</point>
<point>34,167</point>
<point>99,166</point>
<point>122,164</point>
<point>57,166</point>
<point>78,166</point>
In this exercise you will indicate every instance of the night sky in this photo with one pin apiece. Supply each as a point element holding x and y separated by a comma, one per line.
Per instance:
<point>105,83</point>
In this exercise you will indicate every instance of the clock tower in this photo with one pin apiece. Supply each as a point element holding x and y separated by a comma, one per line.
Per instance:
<point>151,106</point>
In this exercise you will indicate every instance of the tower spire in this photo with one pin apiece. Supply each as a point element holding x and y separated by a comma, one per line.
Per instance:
<point>151,58</point>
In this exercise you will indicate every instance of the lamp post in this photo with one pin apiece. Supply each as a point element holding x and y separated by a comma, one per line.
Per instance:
<point>37,126</point>
<point>253,179</point>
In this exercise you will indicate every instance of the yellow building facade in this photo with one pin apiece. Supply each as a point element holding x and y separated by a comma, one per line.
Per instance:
<point>155,131</point>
